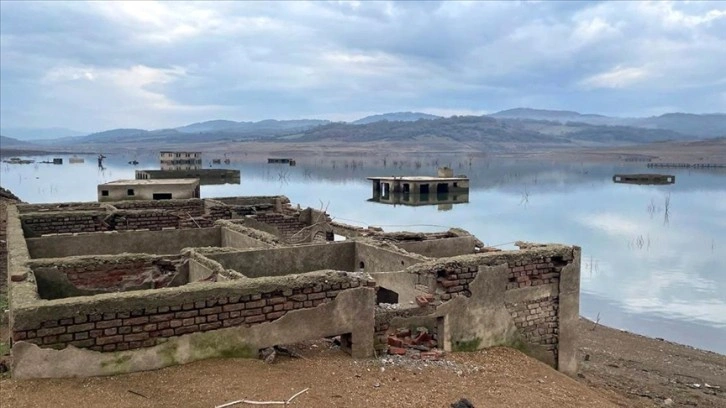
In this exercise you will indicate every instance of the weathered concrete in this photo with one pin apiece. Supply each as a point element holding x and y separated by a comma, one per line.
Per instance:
<point>569,293</point>
<point>290,260</point>
<point>116,242</point>
<point>369,258</point>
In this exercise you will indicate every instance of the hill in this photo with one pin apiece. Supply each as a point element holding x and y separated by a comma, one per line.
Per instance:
<point>12,142</point>
<point>265,126</point>
<point>487,133</point>
<point>396,117</point>
<point>33,134</point>
<point>701,125</point>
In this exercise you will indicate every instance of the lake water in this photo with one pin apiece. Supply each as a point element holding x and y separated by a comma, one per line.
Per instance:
<point>654,257</point>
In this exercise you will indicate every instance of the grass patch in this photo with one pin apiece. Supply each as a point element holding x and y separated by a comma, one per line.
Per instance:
<point>466,345</point>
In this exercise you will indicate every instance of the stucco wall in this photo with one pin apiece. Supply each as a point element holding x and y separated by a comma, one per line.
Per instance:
<point>288,261</point>
<point>378,259</point>
<point>236,239</point>
<point>151,242</point>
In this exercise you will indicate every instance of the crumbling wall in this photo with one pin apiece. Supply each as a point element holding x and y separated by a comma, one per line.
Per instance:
<point>484,305</point>
<point>151,242</point>
<point>83,276</point>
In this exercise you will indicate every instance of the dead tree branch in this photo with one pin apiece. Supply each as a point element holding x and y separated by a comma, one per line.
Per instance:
<point>251,402</point>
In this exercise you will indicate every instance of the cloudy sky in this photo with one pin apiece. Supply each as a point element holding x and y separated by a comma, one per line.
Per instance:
<point>94,66</point>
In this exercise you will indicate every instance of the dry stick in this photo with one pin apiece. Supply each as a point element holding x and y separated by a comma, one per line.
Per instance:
<point>193,220</point>
<point>284,403</point>
<point>597,321</point>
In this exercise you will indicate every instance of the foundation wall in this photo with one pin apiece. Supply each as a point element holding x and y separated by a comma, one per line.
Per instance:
<point>156,242</point>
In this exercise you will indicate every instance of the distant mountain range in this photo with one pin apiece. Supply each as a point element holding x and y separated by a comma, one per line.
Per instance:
<point>396,117</point>
<point>704,125</point>
<point>6,142</point>
<point>40,133</point>
<point>509,129</point>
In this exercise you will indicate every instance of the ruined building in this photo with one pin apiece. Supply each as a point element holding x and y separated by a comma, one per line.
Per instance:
<point>107,288</point>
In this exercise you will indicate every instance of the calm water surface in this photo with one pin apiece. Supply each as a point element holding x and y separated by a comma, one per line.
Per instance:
<point>654,257</point>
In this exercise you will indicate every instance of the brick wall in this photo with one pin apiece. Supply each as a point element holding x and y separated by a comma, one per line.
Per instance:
<point>39,224</point>
<point>537,321</point>
<point>288,226</point>
<point>132,329</point>
<point>194,207</point>
<point>152,220</point>
<point>533,274</point>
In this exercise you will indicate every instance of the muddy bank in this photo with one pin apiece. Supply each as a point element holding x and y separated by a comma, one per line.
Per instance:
<point>650,371</point>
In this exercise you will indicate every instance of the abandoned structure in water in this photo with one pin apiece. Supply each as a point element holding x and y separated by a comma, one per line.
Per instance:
<point>118,287</point>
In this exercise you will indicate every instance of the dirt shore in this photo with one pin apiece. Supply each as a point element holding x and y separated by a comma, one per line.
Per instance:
<point>650,371</point>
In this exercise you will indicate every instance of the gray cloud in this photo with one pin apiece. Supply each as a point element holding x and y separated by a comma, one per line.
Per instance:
<point>100,65</point>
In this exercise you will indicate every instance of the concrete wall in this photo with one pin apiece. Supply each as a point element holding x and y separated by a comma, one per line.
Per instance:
<point>199,272</point>
<point>377,259</point>
<point>119,192</point>
<point>440,248</point>
<point>291,260</point>
<point>117,242</point>
<point>237,239</point>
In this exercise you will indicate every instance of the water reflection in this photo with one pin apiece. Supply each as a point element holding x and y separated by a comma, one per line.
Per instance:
<point>652,254</point>
<point>443,201</point>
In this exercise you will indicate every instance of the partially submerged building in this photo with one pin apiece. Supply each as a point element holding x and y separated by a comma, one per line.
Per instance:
<point>444,183</point>
<point>166,189</point>
<point>173,160</point>
<point>108,288</point>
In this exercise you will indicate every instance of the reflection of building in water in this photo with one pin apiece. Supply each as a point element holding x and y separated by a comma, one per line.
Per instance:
<point>180,160</point>
<point>445,189</point>
<point>205,176</point>
<point>445,201</point>
<point>644,179</point>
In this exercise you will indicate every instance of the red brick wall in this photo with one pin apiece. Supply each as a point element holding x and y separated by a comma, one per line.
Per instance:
<point>124,330</point>
<point>536,319</point>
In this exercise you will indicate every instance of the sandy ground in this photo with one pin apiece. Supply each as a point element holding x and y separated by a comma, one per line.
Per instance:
<point>650,370</point>
<point>494,378</point>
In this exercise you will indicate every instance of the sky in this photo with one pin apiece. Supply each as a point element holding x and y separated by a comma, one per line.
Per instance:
<point>102,65</point>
